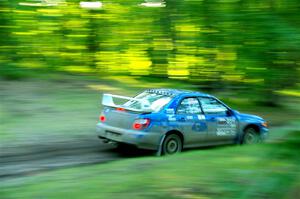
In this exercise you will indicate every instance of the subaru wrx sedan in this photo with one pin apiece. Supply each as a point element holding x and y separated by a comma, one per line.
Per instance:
<point>169,120</point>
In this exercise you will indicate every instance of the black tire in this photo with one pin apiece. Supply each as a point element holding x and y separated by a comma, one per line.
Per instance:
<point>251,136</point>
<point>171,145</point>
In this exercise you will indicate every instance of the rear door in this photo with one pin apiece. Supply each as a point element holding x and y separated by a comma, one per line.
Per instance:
<point>222,126</point>
<point>190,120</point>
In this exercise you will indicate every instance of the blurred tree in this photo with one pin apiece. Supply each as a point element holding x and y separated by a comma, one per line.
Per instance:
<point>95,28</point>
<point>7,51</point>
<point>250,46</point>
<point>162,38</point>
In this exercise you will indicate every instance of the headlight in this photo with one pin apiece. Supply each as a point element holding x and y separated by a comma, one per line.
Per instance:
<point>265,124</point>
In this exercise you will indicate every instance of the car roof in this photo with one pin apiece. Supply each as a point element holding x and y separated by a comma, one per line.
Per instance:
<point>176,92</point>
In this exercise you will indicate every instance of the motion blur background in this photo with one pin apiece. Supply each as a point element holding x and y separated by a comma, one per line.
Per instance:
<point>220,44</point>
<point>58,56</point>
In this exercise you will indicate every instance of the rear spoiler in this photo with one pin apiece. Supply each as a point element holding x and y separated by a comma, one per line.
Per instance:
<point>108,100</point>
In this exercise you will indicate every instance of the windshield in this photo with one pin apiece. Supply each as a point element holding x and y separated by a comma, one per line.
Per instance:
<point>156,101</point>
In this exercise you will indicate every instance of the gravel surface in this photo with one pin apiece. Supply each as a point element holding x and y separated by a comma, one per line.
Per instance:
<point>27,160</point>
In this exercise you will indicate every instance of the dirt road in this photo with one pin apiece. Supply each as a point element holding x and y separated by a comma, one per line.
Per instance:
<point>68,154</point>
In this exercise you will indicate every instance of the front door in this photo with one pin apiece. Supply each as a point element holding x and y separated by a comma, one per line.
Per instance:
<point>222,125</point>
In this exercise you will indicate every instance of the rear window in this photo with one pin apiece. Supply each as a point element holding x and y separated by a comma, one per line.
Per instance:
<point>156,101</point>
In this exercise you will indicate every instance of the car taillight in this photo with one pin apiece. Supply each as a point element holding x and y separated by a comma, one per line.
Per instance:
<point>102,118</point>
<point>141,124</point>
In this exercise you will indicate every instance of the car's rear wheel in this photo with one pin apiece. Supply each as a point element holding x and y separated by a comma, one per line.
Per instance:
<point>172,144</point>
<point>251,136</point>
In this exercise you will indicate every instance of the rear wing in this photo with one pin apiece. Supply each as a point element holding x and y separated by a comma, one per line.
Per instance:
<point>108,100</point>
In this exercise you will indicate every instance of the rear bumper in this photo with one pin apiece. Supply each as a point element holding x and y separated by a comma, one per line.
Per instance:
<point>141,139</point>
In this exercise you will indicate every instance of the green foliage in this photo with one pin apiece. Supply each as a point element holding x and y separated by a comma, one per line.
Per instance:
<point>10,71</point>
<point>251,46</point>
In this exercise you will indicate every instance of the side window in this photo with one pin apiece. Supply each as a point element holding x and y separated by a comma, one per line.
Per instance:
<point>212,106</point>
<point>189,106</point>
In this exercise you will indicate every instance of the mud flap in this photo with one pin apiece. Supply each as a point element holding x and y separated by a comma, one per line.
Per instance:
<point>159,150</point>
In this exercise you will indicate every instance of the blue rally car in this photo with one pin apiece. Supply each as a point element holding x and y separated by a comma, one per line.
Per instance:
<point>168,120</point>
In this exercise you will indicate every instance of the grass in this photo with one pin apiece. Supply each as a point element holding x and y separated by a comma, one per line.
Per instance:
<point>36,110</point>
<point>57,107</point>
<point>260,171</point>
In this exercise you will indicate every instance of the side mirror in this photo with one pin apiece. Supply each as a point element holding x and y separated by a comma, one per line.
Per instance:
<point>229,112</point>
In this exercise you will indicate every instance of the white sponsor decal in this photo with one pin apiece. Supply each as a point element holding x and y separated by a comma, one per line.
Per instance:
<point>170,111</point>
<point>226,126</point>
<point>201,117</point>
<point>171,117</point>
<point>189,117</point>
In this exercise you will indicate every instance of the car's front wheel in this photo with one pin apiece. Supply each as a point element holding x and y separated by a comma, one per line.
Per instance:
<point>172,144</point>
<point>251,136</point>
